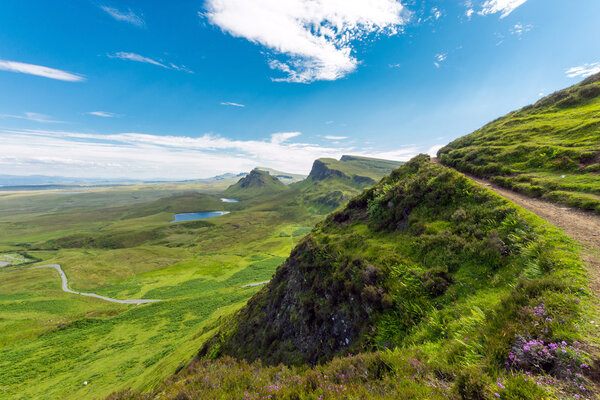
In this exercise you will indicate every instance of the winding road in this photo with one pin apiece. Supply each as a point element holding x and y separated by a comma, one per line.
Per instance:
<point>65,287</point>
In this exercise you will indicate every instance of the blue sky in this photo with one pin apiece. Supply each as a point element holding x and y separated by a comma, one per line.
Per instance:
<point>189,89</point>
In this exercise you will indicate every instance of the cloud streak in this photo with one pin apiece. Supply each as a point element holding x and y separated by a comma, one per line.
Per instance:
<point>124,16</point>
<point>145,156</point>
<point>102,114</point>
<point>124,55</point>
<point>30,116</point>
<point>38,70</point>
<point>583,71</point>
<point>309,40</point>
<point>504,7</point>
<point>229,103</point>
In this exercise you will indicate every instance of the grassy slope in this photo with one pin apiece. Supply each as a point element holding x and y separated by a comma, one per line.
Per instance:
<point>196,266</point>
<point>332,183</point>
<point>51,342</point>
<point>462,286</point>
<point>285,177</point>
<point>256,183</point>
<point>549,150</point>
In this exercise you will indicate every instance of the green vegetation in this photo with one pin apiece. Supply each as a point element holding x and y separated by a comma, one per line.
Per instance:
<point>51,342</point>
<point>257,182</point>
<point>550,149</point>
<point>425,263</point>
<point>284,177</point>
<point>332,183</point>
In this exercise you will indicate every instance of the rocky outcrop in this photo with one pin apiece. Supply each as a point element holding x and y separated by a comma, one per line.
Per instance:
<point>320,171</point>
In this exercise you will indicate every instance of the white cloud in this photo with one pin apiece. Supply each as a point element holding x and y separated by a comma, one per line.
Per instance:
<point>434,149</point>
<point>143,156</point>
<point>123,55</point>
<point>505,7</point>
<point>519,29</point>
<point>583,71</point>
<point>314,39</point>
<point>229,103</point>
<point>103,114</point>
<point>31,116</point>
<point>39,70</point>
<point>278,138</point>
<point>440,59</point>
<point>329,137</point>
<point>469,13</point>
<point>125,16</point>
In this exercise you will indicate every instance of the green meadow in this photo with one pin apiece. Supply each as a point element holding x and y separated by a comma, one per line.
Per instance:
<point>119,243</point>
<point>51,342</point>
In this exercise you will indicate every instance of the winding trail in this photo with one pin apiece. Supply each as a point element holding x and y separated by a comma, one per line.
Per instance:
<point>255,284</point>
<point>65,287</point>
<point>580,225</point>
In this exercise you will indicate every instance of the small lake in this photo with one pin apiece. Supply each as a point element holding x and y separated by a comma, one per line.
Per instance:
<point>196,216</point>
<point>229,200</point>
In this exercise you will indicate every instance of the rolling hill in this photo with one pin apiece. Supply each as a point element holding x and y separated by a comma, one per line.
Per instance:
<point>550,149</point>
<point>332,183</point>
<point>257,182</point>
<point>472,295</point>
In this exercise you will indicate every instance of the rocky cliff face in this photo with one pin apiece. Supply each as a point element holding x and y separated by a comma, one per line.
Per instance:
<point>305,314</point>
<point>258,179</point>
<point>320,171</point>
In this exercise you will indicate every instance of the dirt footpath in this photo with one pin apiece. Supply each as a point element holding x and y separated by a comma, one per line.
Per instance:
<point>579,225</point>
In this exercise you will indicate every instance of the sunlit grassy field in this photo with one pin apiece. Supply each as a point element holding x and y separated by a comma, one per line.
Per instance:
<point>51,342</point>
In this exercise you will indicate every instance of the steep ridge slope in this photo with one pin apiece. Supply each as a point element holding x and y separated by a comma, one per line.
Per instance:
<point>550,149</point>
<point>470,294</point>
<point>332,183</point>
<point>422,248</point>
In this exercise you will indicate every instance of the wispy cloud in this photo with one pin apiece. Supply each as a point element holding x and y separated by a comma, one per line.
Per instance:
<point>504,7</point>
<point>103,114</point>
<point>31,116</point>
<point>145,156</point>
<point>229,103</point>
<point>519,29</point>
<point>583,71</point>
<point>123,55</point>
<point>125,16</point>
<point>39,70</point>
<point>310,40</point>
<point>440,59</point>
<point>329,137</point>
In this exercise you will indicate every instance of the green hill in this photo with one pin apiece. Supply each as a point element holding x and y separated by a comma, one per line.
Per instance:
<point>550,149</point>
<point>332,183</point>
<point>257,182</point>
<point>284,177</point>
<point>438,288</point>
